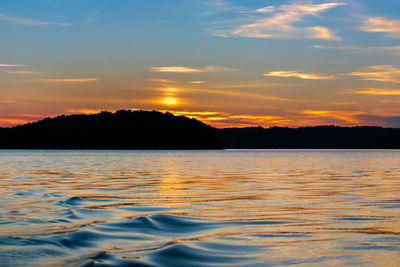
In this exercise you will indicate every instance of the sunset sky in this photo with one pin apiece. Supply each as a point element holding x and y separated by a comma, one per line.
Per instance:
<point>226,62</point>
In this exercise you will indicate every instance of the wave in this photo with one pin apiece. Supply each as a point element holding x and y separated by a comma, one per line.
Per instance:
<point>143,241</point>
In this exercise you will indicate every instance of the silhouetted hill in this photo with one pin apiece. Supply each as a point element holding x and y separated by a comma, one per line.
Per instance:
<point>155,130</point>
<point>311,137</point>
<point>120,130</point>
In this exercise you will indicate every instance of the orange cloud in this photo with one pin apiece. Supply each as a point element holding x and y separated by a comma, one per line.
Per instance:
<point>380,73</point>
<point>84,111</point>
<point>198,82</point>
<point>374,91</point>
<point>12,122</point>
<point>300,75</point>
<point>198,113</point>
<point>221,92</point>
<point>23,72</point>
<point>223,119</point>
<point>11,65</point>
<point>69,80</point>
<point>379,24</point>
<point>9,120</point>
<point>346,116</point>
<point>180,69</point>
<point>161,80</point>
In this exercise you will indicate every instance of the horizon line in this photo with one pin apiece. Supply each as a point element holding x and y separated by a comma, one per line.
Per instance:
<point>191,117</point>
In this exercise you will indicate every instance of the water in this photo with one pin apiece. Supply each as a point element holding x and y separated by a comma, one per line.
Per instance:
<point>200,208</point>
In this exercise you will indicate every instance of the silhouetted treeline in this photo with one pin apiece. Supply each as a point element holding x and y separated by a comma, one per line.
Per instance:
<point>126,129</point>
<point>311,137</point>
<point>120,130</point>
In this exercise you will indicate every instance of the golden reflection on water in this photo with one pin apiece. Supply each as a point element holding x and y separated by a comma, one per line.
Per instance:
<point>171,188</point>
<point>277,207</point>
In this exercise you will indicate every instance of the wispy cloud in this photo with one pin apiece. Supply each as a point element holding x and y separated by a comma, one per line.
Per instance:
<point>362,50</point>
<point>230,93</point>
<point>373,91</point>
<point>300,75</point>
<point>24,72</point>
<point>219,6</point>
<point>198,82</point>
<point>379,24</point>
<point>180,69</point>
<point>9,119</point>
<point>156,80</point>
<point>346,116</point>
<point>28,22</point>
<point>68,80</point>
<point>221,85</point>
<point>267,9</point>
<point>281,24</point>
<point>11,65</point>
<point>225,119</point>
<point>251,84</point>
<point>380,73</point>
<point>84,111</point>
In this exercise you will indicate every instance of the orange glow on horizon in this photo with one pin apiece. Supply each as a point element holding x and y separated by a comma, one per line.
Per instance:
<point>84,111</point>
<point>227,120</point>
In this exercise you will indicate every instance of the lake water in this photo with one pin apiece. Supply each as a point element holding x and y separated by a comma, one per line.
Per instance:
<point>200,208</point>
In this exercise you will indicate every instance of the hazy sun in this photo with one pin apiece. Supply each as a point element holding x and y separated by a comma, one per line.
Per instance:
<point>169,100</point>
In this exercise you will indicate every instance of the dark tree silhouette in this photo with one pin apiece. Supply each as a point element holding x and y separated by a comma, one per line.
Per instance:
<point>311,137</point>
<point>127,129</point>
<point>123,129</point>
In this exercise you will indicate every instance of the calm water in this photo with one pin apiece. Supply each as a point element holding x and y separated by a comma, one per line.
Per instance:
<point>200,208</point>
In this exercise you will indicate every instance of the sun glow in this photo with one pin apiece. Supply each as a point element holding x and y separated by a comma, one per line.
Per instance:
<point>170,101</point>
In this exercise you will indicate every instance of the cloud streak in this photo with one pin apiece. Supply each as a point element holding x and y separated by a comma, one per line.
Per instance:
<point>181,69</point>
<point>12,65</point>
<point>84,111</point>
<point>346,116</point>
<point>373,91</point>
<point>28,22</point>
<point>225,93</point>
<point>24,72</point>
<point>380,73</point>
<point>68,80</point>
<point>299,75</point>
<point>379,24</point>
<point>362,50</point>
<point>282,23</point>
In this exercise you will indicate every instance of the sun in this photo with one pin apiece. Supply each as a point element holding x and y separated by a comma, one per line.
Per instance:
<point>170,101</point>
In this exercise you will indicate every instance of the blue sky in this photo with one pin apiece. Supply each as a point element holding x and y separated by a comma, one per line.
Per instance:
<point>228,63</point>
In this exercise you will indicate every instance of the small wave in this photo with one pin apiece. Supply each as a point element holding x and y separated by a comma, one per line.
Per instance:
<point>184,255</point>
<point>164,223</point>
<point>175,225</point>
<point>73,201</point>
<point>103,258</point>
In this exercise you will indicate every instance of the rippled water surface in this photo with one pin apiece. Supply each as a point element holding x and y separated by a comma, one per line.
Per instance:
<point>200,208</point>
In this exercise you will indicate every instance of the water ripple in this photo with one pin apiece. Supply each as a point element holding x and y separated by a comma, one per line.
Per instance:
<point>199,208</point>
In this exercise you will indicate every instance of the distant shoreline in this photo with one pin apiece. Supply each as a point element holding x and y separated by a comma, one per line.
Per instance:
<point>153,130</point>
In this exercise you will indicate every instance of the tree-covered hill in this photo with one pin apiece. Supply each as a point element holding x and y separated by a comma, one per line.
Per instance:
<point>311,137</point>
<point>123,129</point>
<point>127,129</point>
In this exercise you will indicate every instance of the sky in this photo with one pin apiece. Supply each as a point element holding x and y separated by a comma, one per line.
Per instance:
<point>228,63</point>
